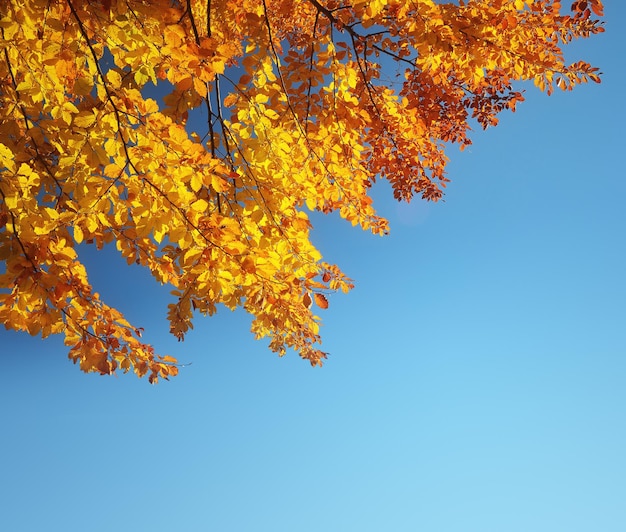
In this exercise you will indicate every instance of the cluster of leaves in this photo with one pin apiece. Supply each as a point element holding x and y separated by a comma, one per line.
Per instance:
<point>307,102</point>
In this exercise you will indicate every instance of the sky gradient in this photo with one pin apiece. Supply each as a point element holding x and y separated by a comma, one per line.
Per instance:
<point>475,381</point>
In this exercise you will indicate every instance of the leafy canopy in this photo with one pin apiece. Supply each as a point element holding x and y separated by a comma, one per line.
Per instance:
<point>304,104</point>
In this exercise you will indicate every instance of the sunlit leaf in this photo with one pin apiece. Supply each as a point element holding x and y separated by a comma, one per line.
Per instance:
<point>320,300</point>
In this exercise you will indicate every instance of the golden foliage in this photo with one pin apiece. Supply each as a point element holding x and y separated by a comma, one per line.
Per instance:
<point>308,102</point>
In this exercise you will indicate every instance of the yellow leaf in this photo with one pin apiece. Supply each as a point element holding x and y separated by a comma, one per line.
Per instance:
<point>85,119</point>
<point>196,182</point>
<point>271,114</point>
<point>142,75</point>
<point>78,234</point>
<point>200,205</point>
<point>114,78</point>
<point>7,158</point>
<point>311,203</point>
<point>218,184</point>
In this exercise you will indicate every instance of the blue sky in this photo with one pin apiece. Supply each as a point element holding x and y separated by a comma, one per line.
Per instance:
<point>475,383</point>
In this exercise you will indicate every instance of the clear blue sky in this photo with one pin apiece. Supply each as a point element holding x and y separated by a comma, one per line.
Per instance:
<point>476,381</point>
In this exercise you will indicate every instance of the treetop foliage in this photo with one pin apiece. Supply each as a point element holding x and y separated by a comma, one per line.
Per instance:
<point>305,103</point>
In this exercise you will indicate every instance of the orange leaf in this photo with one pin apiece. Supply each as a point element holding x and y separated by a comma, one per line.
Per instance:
<point>597,8</point>
<point>307,300</point>
<point>320,300</point>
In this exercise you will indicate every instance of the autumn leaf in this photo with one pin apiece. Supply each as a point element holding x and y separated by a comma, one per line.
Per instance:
<point>306,300</point>
<point>320,300</point>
